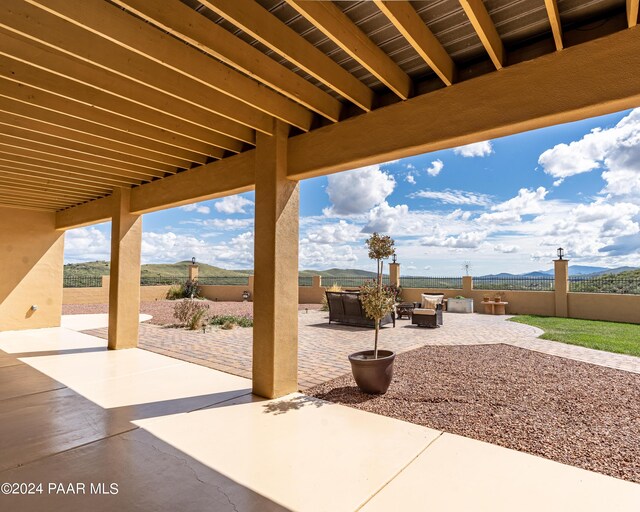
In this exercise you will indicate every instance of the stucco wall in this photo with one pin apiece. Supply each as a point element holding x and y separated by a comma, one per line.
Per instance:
<point>31,259</point>
<point>101,295</point>
<point>605,306</point>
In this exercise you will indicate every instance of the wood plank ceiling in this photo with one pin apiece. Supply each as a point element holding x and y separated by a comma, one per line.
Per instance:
<point>102,94</point>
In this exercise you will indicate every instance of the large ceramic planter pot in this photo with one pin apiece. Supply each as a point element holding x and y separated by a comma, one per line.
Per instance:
<point>373,376</point>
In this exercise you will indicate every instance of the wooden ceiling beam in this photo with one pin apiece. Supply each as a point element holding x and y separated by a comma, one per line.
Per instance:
<point>330,20</point>
<point>554,20</point>
<point>47,121</point>
<point>45,28</point>
<point>632,12</point>
<point>169,56</point>
<point>25,190</point>
<point>9,204</point>
<point>88,115</point>
<point>51,160</point>
<point>43,68</point>
<point>526,96</point>
<point>28,200</point>
<point>91,144</point>
<point>19,137</point>
<point>277,36</point>
<point>409,23</point>
<point>486,30</point>
<point>183,22</point>
<point>59,176</point>
<point>15,176</point>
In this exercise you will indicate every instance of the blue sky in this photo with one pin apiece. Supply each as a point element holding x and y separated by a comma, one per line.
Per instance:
<point>503,205</point>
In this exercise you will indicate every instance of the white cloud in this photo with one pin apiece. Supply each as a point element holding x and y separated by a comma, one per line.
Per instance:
<point>616,150</point>
<point>195,207</point>
<point>465,240</point>
<point>313,255</point>
<point>229,224</point>
<point>358,191</point>
<point>474,150</point>
<point>505,249</point>
<point>87,244</point>
<point>410,179</point>
<point>450,196</point>
<point>384,218</point>
<point>435,168</point>
<point>339,232</point>
<point>232,204</point>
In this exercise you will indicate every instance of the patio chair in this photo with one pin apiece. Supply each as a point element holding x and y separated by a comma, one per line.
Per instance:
<point>430,312</point>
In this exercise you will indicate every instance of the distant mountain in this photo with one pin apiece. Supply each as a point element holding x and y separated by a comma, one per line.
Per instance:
<point>584,270</point>
<point>178,270</point>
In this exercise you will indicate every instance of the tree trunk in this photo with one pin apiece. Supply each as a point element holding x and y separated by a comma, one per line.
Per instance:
<point>375,343</point>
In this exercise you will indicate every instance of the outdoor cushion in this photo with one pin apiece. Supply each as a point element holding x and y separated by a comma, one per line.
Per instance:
<point>424,311</point>
<point>429,303</point>
<point>437,298</point>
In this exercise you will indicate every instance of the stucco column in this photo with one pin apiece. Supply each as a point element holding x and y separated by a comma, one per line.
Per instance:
<point>275,294</point>
<point>561,276</point>
<point>124,282</point>
<point>467,285</point>
<point>394,274</point>
<point>193,272</point>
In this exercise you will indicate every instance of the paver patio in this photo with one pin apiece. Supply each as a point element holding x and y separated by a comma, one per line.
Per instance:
<point>324,347</point>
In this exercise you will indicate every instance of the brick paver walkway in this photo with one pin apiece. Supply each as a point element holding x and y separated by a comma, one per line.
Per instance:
<point>324,347</point>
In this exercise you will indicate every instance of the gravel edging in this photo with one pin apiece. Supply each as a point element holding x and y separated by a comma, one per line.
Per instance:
<point>571,412</point>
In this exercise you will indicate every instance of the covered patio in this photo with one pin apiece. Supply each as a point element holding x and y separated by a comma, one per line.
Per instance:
<point>113,109</point>
<point>133,430</point>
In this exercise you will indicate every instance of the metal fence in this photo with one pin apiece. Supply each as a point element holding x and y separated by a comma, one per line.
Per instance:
<point>532,284</point>
<point>305,281</point>
<point>350,281</point>
<point>224,281</point>
<point>161,281</point>
<point>82,281</point>
<point>605,284</point>
<point>450,283</point>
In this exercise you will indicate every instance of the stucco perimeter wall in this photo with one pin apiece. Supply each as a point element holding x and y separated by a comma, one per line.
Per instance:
<point>605,306</point>
<point>31,260</point>
<point>225,293</point>
<point>520,302</point>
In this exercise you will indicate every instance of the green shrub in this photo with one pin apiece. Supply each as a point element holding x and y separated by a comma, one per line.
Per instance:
<point>191,313</point>
<point>228,321</point>
<point>188,290</point>
<point>175,292</point>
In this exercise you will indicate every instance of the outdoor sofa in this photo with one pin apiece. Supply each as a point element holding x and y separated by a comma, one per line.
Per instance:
<point>346,308</point>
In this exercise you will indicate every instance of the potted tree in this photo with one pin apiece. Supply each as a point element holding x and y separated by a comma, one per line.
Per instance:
<point>373,369</point>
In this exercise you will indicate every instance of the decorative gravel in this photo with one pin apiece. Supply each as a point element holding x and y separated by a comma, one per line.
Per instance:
<point>162,310</point>
<point>571,412</point>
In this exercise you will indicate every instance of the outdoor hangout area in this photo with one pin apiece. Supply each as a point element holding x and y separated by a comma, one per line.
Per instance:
<point>389,258</point>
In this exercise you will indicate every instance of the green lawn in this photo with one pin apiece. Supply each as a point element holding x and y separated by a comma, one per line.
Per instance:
<point>609,336</point>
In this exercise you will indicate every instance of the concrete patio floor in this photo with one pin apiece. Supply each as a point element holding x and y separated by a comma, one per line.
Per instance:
<point>177,436</point>
<point>324,347</point>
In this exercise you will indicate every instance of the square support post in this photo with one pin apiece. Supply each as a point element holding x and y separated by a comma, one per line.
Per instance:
<point>124,286</point>
<point>394,274</point>
<point>275,308</point>
<point>561,276</point>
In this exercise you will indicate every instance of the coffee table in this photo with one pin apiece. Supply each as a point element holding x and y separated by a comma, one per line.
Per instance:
<point>405,309</point>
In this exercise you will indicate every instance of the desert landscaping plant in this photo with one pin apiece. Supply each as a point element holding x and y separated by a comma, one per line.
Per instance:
<point>191,313</point>
<point>377,300</point>
<point>231,321</point>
